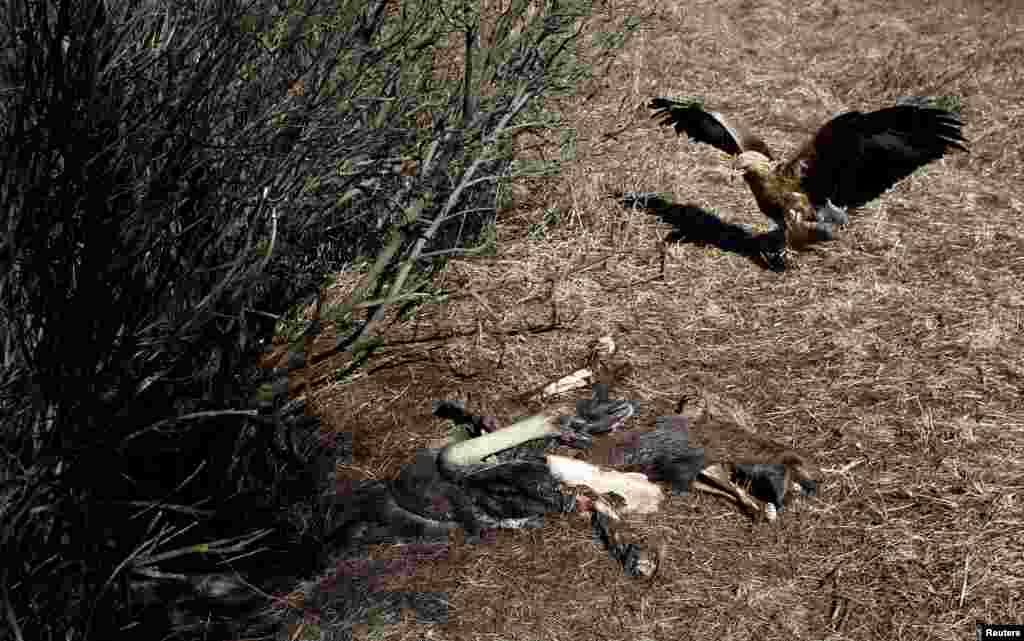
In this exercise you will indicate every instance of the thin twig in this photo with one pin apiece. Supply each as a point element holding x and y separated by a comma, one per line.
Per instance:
<point>963,586</point>
<point>188,417</point>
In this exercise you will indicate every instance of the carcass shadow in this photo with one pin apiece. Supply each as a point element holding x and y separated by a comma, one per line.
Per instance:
<point>693,224</point>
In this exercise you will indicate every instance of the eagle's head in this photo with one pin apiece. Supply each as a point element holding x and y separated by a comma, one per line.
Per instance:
<point>753,161</point>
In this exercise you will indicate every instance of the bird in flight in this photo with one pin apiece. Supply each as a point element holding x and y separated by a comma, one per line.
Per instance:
<point>851,160</point>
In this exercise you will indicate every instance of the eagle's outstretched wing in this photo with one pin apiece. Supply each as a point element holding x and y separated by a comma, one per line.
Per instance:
<point>706,126</point>
<point>856,157</point>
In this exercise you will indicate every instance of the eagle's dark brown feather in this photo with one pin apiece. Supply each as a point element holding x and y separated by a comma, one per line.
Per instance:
<point>707,127</point>
<point>855,157</point>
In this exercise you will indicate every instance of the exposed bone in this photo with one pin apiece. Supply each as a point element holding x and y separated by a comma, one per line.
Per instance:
<point>710,489</point>
<point>579,378</point>
<point>588,501</point>
<point>475,450</point>
<point>639,557</point>
<point>721,484</point>
<point>640,494</point>
<point>605,346</point>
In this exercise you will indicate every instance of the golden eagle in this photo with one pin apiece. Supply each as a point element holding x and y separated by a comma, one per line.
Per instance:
<point>852,159</point>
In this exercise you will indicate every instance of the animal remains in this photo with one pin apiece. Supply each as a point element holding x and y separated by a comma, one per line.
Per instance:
<point>496,479</point>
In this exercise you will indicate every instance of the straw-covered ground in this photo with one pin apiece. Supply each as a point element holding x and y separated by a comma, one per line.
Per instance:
<point>894,355</point>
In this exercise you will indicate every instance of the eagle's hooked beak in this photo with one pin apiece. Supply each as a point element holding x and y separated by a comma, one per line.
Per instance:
<point>752,161</point>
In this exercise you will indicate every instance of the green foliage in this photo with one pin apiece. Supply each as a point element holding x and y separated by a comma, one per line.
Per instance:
<point>376,619</point>
<point>948,102</point>
<point>488,239</point>
<point>361,354</point>
<point>292,323</point>
<point>552,218</point>
<point>567,145</point>
<point>690,101</point>
<point>615,39</point>
<point>311,632</point>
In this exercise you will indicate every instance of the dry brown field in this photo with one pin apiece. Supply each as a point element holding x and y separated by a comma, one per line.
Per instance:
<point>895,355</point>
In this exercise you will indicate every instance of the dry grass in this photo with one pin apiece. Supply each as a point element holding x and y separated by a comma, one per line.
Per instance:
<point>895,355</point>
